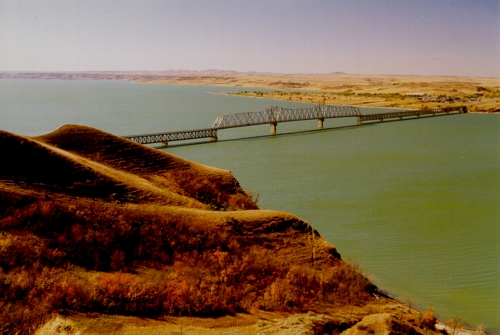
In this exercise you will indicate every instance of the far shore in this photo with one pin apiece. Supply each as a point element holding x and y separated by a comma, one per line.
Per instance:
<point>480,95</point>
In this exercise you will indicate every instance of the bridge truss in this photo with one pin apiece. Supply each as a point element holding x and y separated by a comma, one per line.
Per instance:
<point>174,136</point>
<point>273,115</point>
<point>417,113</point>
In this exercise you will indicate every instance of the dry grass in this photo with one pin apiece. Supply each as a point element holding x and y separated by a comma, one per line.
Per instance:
<point>479,94</point>
<point>57,326</point>
<point>93,229</point>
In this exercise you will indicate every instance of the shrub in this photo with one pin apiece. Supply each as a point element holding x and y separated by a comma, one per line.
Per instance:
<point>214,191</point>
<point>196,266</point>
<point>428,319</point>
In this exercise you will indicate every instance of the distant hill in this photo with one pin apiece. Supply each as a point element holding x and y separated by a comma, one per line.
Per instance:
<point>480,95</point>
<point>92,224</point>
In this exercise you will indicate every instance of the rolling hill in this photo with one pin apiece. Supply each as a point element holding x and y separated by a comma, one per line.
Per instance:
<point>94,227</point>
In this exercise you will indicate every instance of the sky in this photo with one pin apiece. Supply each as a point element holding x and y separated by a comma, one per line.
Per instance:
<point>401,37</point>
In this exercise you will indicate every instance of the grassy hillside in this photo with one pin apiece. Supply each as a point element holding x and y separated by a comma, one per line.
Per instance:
<point>92,224</point>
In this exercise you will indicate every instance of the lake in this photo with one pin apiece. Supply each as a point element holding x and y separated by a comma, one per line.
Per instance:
<point>416,202</point>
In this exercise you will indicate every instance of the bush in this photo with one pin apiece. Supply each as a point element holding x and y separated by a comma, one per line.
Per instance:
<point>428,319</point>
<point>149,264</point>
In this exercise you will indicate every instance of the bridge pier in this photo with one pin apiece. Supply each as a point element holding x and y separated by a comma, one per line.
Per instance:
<point>320,123</point>
<point>274,115</point>
<point>273,128</point>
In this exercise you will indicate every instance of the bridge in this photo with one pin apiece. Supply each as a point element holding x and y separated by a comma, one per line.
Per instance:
<point>417,113</point>
<point>174,136</point>
<point>273,115</point>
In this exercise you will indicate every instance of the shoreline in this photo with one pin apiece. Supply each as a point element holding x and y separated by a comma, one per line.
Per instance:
<point>385,91</point>
<point>371,107</point>
<point>375,107</point>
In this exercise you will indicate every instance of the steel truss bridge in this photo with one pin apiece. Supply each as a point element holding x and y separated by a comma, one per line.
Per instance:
<point>417,113</point>
<point>274,115</point>
<point>174,136</point>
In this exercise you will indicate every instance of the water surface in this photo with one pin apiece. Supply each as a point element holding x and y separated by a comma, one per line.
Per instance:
<point>415,201</point>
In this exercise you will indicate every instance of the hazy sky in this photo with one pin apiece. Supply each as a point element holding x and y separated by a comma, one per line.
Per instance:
<point>425,37</point>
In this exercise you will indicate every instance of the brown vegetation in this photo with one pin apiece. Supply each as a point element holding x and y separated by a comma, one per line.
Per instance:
<point>93,224</point>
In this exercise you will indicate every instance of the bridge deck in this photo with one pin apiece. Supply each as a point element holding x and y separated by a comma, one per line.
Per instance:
<point>417,113</point>
<point>274,115</point>
<point>174,136</point>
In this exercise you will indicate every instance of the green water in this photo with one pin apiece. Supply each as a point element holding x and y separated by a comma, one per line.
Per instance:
<point>416,202</point>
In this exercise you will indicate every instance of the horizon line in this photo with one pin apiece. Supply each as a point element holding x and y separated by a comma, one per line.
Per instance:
<point>184,71</point>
